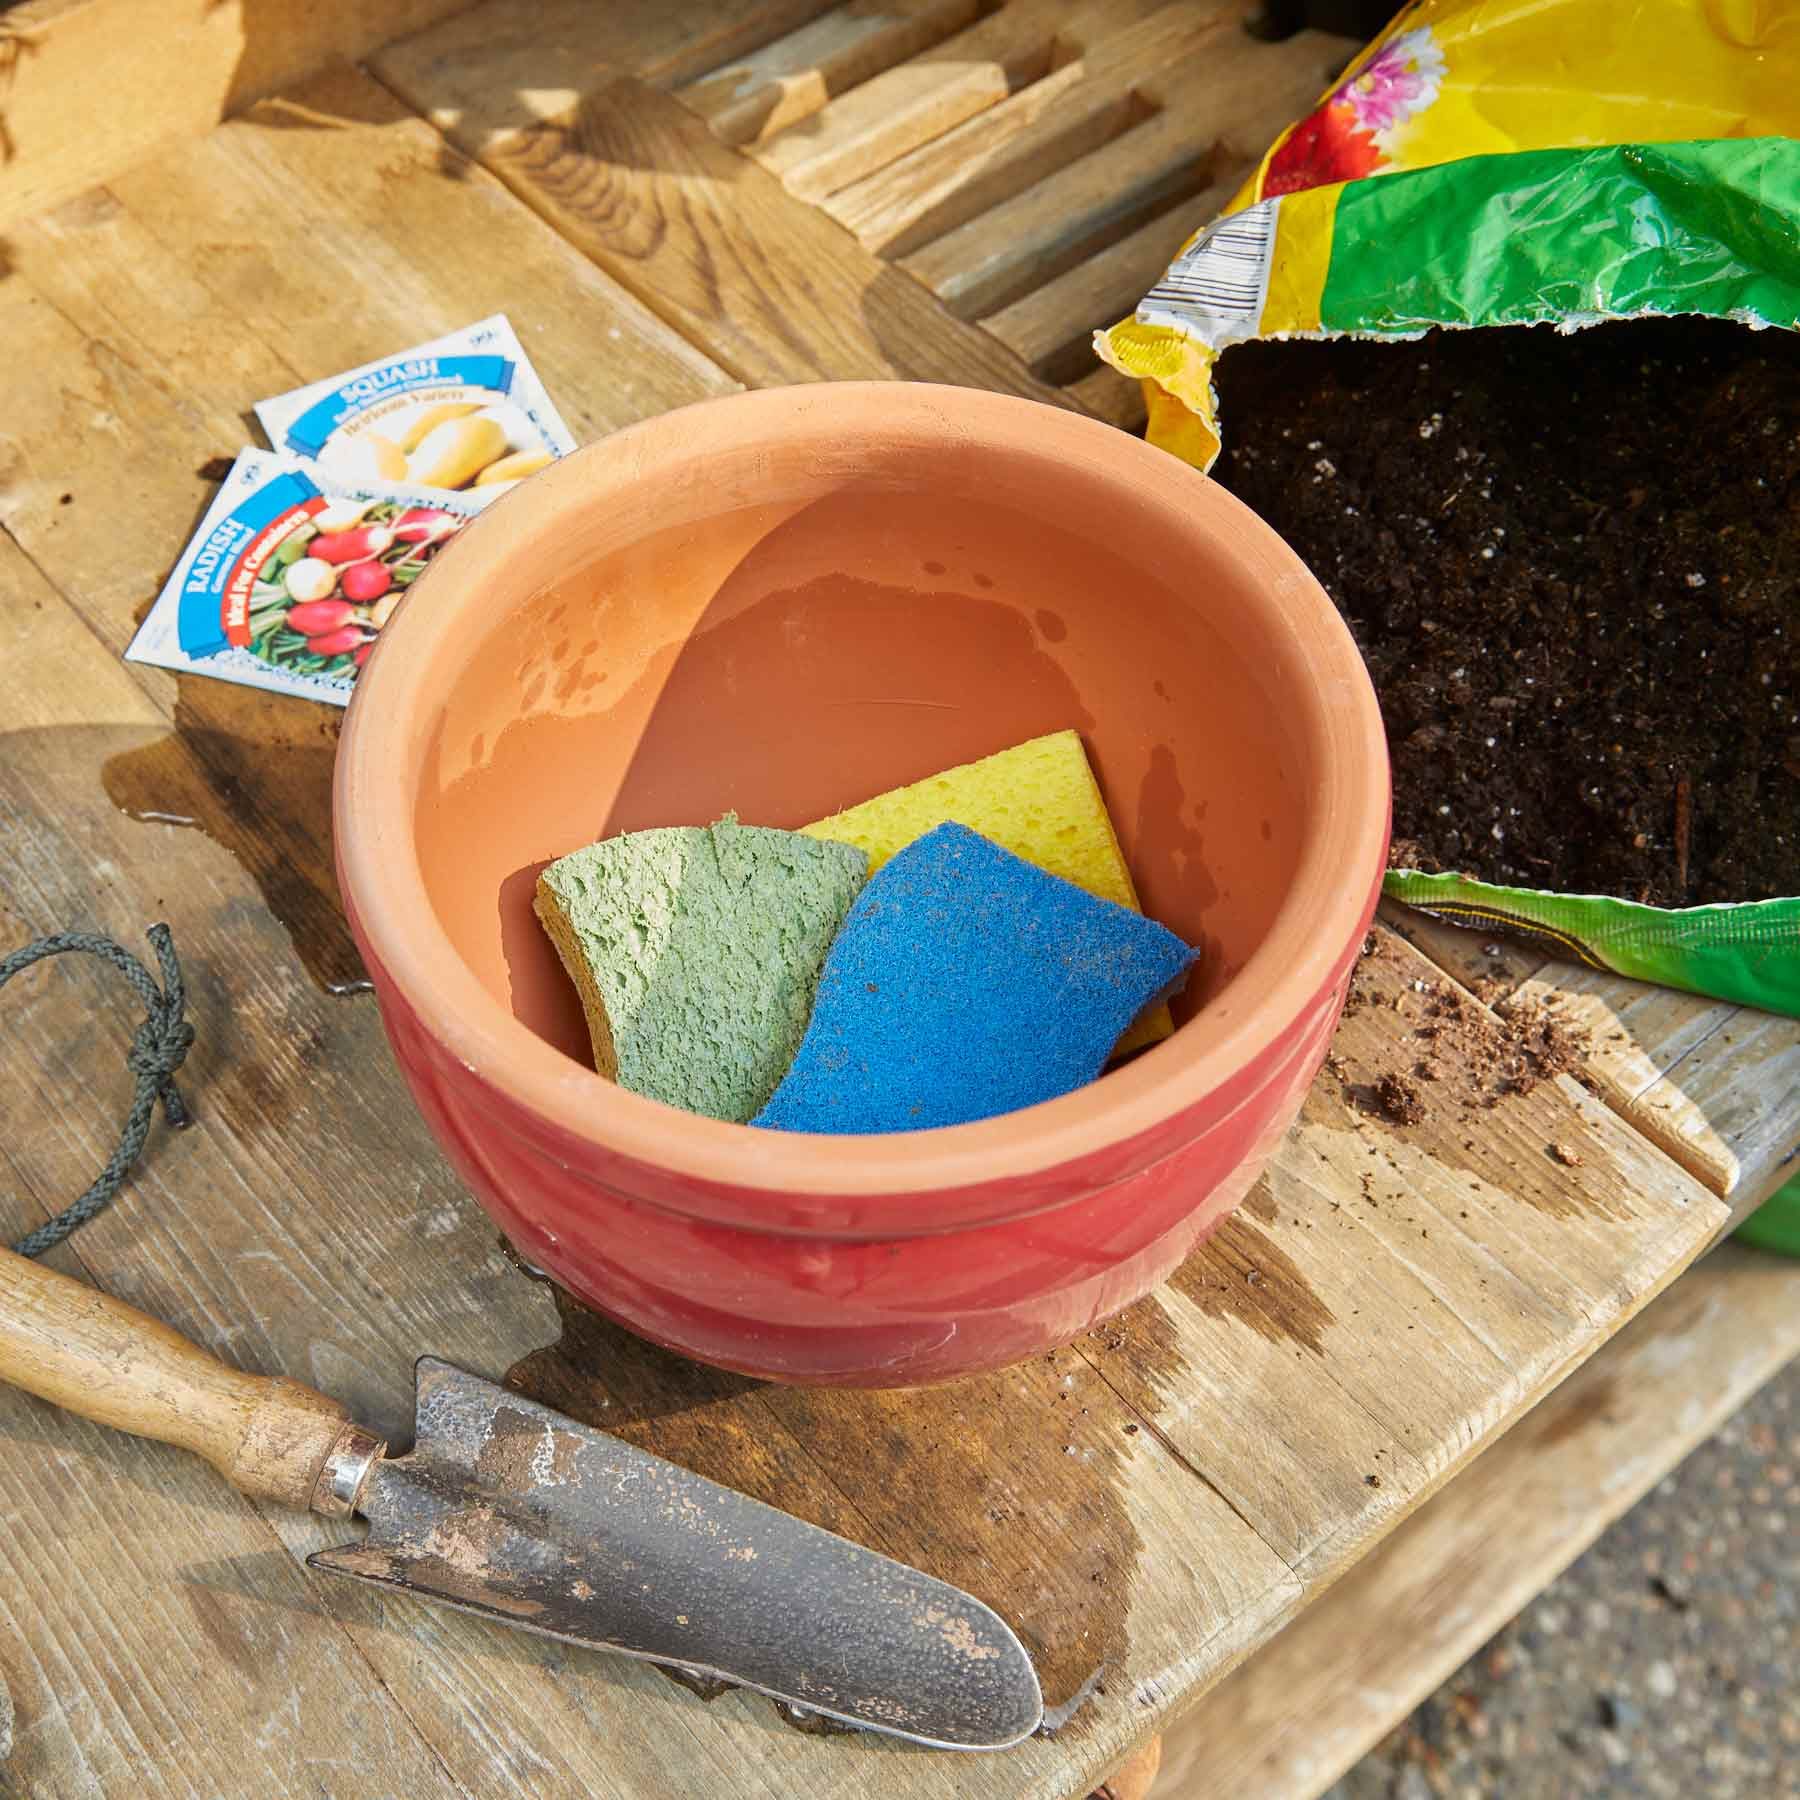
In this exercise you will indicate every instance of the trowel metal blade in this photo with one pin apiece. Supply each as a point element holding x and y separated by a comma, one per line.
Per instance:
<point>507,1509</point>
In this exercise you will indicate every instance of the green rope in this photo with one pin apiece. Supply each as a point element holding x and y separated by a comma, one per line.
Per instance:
<point>158,1048</point>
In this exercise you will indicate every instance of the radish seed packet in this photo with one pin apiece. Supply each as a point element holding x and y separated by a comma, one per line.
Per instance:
<point>291,576</point>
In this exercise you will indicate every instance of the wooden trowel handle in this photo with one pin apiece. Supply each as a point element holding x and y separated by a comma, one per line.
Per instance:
<point>93,1355</point>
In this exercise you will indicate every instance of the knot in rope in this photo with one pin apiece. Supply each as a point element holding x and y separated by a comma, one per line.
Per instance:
<point>159,1046</point>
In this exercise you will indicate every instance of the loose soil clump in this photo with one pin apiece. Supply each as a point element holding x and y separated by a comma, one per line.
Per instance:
<point>1399,1099</point>
<point>1509,1049</point>
<point>1573,566</point>
<point>1473,1050</point>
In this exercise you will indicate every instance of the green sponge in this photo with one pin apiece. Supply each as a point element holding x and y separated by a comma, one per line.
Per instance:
<point>697,951</point>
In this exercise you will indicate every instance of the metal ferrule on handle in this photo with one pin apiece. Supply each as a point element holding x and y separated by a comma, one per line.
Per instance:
<point>338,1492</point>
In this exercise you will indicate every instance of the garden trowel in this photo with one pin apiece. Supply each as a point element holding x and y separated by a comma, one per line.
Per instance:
<point>511,1511</point>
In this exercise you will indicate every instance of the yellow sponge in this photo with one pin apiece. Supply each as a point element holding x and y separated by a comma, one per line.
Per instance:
<point>1039,800</point>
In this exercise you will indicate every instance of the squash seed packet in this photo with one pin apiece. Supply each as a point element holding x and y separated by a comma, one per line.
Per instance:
<point>465,412</point>
<point>291,576</point>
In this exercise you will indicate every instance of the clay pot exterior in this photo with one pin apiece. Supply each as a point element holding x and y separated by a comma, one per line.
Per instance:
<point>780,603</point>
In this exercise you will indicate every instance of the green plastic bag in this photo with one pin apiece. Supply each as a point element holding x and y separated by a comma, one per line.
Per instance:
<point>1775,1225</point>
<point>1748,953</point>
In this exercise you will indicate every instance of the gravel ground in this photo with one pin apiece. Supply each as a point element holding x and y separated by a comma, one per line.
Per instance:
<point>1666,1662</point>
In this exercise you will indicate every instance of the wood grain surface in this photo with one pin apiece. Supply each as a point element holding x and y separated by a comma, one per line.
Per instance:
<point>90,87</point>
<point>132,355</point>
<point>1711,1083</point>
<point>670,202</point>
<point>1353,1665</point>
<point>716,245</point>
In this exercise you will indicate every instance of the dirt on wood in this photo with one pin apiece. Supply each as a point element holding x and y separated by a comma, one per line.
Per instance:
<point>1473,1049</point>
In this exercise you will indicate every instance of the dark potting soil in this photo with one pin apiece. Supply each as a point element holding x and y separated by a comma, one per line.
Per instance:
<point>1573,564</point>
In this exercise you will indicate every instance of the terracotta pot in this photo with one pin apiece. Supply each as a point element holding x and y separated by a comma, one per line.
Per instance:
<point>781,603</point>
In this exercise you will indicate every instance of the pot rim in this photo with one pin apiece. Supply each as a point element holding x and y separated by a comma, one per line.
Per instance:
<point>387,729</point>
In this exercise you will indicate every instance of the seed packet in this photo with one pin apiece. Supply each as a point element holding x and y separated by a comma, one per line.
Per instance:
<point>291,576</point>
<point>464,412</point>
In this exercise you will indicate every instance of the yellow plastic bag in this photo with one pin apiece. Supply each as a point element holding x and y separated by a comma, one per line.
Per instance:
<point>1500,162</point>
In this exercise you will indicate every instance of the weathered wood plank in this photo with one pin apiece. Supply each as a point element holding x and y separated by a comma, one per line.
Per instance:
<point>160,1641</point>
<point>1728,1107</point>
<point>89,87</point>
<point>134,362</point>
<point>1209,112</point>
<point>233,1233</point>
<point>1055,225</point>
<point>1713,1084</point>
<point>773,289</point>
<point>333,189</point>
<point>1062,315</point>
<point>500,68</point>
<point>1032,137</point>
<point>1330,1685</point>
<point>1440,1274</point>
<point>901,108</point>
<point>305,1225</point>
<point>879,121</point>
<point>751,100</point>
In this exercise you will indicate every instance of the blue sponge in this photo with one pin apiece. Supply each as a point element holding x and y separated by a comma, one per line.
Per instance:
<point>967,982</point>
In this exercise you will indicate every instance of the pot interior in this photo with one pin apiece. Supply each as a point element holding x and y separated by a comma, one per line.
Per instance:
<point>785,637</point>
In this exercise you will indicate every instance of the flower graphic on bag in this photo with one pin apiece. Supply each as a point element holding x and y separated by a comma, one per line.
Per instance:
<point>1398,82</point>
<point>1328,146</point>
<point>1343,139</point>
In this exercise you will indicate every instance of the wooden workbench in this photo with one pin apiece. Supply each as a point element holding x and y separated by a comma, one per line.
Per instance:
<point>671,202</point>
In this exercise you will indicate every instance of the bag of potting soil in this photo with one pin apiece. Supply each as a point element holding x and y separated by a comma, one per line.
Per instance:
<point>1499,162</point>
<point>1517,162</point>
